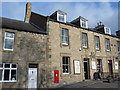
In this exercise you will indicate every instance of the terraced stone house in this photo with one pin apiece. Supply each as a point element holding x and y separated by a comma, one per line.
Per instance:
<point>48,51</point>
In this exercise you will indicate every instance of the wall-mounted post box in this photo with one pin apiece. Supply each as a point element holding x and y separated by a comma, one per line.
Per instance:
<point>56,76</point>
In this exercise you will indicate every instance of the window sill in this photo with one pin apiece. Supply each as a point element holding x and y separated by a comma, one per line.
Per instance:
<point>85,47</point>
<point>97,49</point>
<point>107,50</point>
<point>66,73</point>
<point>8,81</point>
<point>8,50</point>
<point>64,44</point>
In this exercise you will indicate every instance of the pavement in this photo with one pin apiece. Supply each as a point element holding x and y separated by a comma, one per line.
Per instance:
<point>94,84</point>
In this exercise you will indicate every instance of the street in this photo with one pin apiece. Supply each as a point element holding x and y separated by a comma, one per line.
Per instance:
<point>93,84</point>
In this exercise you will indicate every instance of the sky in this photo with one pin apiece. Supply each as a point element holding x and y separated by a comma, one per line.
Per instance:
<point>94,12</point>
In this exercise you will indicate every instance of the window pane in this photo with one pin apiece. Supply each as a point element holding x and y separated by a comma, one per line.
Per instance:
<point>9,43</point>
<point>67,71</point>
<point>6,74</point>
<point>84,39</point>
<point>61,17</point>
<point>65,36</point>
<point>13,65</point>
<point>7,65</point>
<point>9,35</point>
<point>1,74</point>
<point>67,60</point>
<point>13,74</point>
<point>64,61</point>
<point>118,45</point>
<point>1,65</point>
<point>64,68</point>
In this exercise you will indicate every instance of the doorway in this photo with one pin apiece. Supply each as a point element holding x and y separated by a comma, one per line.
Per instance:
<point>110,68</point>
<point>86,68</point>
<point>32,76</point>
<point>99,66</point>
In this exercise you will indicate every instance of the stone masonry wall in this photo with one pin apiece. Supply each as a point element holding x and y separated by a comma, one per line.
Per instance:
<point>29,48</point>
<point>57,50</point>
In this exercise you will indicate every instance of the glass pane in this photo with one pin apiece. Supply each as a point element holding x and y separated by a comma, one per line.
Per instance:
<point>9,35</point>
<point>63,39</point>
<point>64,61</point>
<point>1,65</point>
<point>1,74</point>
<point>67,60</point>
<point>9,43</point>
<point>61,17</point>
<point>66,40</point>
<point>62,31</point>
<point>63,68</point>
<point>6,74</point>
<point>13,65</point>
<point>7,65</point>
<point>13,74</point>
<point>66,69</point>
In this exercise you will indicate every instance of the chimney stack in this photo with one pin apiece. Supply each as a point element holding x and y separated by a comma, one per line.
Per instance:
<point>28,12</point>
<point>118,33</point>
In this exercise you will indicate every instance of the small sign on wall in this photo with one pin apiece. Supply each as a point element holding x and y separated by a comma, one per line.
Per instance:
<point>93,65</point>
<point>116,65</point>
<point>77,66</point>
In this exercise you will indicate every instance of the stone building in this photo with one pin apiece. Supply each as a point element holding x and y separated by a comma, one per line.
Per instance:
<point>61,52</point>
<point>22,54</point>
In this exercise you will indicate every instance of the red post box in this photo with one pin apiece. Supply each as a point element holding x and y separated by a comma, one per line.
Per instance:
<point>56,76</point>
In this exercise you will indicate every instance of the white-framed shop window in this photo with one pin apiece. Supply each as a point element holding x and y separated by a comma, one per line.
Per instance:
<point>8,72</point>
<point>9,41</point>
<point>66,65</point>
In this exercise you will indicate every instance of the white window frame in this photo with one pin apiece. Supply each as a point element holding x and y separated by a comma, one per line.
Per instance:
<point>97,42</point>
<point>10,69</point>
<point>107,30</point>
<point>85,22</point>
<point>66,64</point>
<point>64,16</point>
<point>84,40</point>
<point>65,36</point>
<point>10,39</point>
<point>107,42</point>
<point>118,46</point>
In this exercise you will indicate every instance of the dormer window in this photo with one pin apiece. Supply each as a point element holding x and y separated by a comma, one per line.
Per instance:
<point>107,30</point>
<point>80,22</point>
<point>83,23</point>
<point>61,16</point>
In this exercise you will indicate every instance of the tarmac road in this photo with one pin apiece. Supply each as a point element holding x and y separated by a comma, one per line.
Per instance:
<point>93,84</point>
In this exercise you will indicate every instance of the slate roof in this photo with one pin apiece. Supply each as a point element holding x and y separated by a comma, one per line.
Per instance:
<point>20,26</point>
